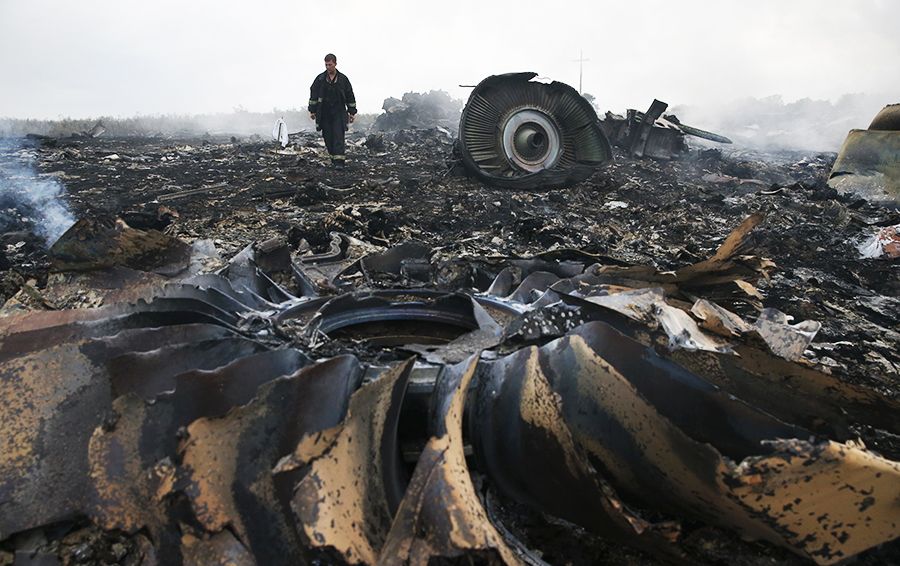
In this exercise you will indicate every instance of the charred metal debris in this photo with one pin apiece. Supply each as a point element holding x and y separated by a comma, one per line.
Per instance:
<point>215,418</point>
<point>519,133</point>
<point>602,373</point>
<point>652,134</point>
<point>868,163</point>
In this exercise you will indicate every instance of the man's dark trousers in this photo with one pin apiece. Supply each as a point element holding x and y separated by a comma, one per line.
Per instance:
<point>332,124</point>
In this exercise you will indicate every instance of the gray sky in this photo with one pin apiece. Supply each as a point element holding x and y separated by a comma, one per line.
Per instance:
<point>63,58</point>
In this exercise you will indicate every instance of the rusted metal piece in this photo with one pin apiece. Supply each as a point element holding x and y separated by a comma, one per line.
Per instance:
<point>441,515</point>
<point>104,242</point>
<point>347,500</point>
<point>21,335</point>
<point>28,332</point>
<point>69,451</point>
<point>518,133</point>
<point>154,327</point>
<point>52,400</point>
<point>868,165</point>
<point>230,463</point>
<point>829,501</point>
<point>131,479</point>
<point>215,392</point>
<point>523,441</point>
<point>220,549</point>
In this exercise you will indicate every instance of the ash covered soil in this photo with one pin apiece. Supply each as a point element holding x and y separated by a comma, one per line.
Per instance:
<point>667,214</point>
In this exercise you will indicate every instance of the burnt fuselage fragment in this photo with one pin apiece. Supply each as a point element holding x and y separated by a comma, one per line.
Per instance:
<point>868,164</point>
<point>518,133</point>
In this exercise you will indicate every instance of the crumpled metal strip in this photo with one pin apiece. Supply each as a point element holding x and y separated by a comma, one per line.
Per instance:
<point>794,392</point>
<point>228,462</point>
<point>522,444</point>
<point>730,263</point>
<point>348,498</point>
<point>151,373</point>
<point>645,454</point>
<point>649,306</point>
<point>38,330</point>
<point>132,477</point>
<point>26,333</point>
<point>147,339</point>
<point>441,515</point>
<point>787,341</point>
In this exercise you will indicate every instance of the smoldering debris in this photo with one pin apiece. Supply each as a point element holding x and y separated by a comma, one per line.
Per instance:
<point>31,202</point>
<point>680,360</point>
<point>419,110</point>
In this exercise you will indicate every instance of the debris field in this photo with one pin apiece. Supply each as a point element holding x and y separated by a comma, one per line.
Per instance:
<point>241,355</point>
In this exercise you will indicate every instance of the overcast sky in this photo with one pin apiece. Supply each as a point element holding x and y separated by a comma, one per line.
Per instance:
<point>86,58</point>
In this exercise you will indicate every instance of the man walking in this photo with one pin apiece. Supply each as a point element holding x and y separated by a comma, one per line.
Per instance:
<point>332,105</point>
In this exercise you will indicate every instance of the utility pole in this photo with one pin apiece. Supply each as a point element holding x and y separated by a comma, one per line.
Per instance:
<point>580,62</point>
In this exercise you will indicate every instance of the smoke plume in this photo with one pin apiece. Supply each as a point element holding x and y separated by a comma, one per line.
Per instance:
<point>30,202</point>
<point>772,124</point>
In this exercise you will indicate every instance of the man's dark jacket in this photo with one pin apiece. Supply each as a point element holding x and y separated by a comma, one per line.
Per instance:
<point>343,90</point>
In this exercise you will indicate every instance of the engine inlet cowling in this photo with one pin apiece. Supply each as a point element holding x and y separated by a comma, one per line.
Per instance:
<point>518,133</point>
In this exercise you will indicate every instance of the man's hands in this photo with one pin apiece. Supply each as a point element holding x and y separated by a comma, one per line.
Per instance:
<point>312,116</point>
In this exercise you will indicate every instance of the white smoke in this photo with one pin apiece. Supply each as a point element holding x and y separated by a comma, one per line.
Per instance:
<point>29,201</point>
<point>773,124</point>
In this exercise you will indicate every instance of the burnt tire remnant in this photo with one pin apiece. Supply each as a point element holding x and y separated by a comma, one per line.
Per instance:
<point>521,134</point>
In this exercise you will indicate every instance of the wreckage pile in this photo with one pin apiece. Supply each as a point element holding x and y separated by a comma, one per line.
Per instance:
<point>394,364</point>
<point>419,110</point>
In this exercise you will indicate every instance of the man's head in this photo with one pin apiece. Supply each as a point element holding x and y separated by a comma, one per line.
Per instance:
<point>330,62</point>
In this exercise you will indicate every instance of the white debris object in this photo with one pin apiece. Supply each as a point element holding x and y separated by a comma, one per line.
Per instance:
<point>280,132</point>
<point>885,243</point>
